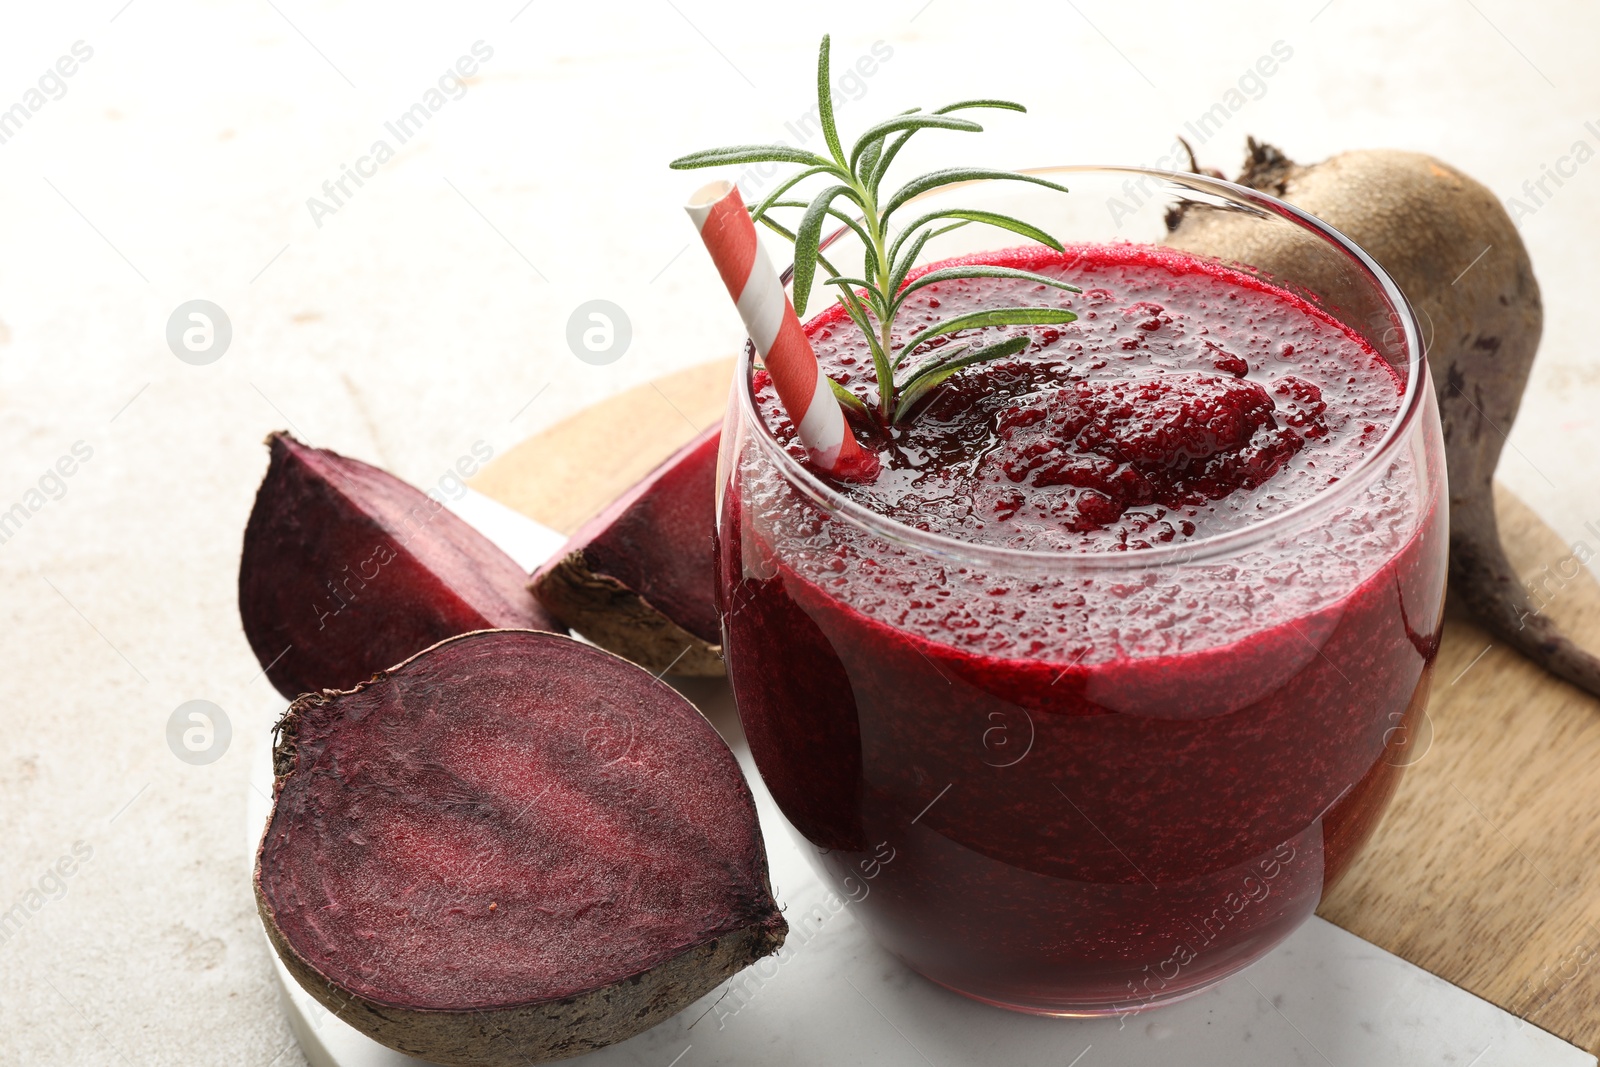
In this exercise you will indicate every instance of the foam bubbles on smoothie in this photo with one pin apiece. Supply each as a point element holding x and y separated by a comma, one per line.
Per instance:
<point>1185,399</point>
<point>1235,402</point>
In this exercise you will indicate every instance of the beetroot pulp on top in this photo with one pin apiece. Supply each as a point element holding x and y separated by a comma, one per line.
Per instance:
<point>1185,401</point>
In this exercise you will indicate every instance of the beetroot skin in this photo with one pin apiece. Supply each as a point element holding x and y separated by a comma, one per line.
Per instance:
<point>511,848</point>
<point>347,570</point>
<point>639,578</point>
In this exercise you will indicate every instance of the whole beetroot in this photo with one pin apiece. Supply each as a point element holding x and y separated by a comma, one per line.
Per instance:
<point>1455,253</point>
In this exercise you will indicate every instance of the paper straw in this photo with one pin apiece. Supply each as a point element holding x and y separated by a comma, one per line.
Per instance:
<point>730,236</point>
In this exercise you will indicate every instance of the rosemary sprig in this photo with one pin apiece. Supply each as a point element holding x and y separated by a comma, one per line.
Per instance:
<point>855,197</point>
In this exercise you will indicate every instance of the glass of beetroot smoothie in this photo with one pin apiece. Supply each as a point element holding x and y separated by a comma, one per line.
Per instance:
<point>1088,698</point>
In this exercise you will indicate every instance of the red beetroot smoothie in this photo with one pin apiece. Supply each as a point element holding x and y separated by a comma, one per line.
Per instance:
<point>1101,786</point>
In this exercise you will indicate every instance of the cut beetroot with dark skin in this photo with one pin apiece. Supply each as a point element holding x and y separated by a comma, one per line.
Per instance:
<point>639,578</point>
<point>347,570</point>
<point>511,848</point>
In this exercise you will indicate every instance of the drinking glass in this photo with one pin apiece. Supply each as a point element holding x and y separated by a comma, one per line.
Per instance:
<point>1096,827</point>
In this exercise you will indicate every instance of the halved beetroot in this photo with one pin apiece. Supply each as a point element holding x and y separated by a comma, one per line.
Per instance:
<point>347,570</point>
<point>511,848</point>
<point>639,578</point>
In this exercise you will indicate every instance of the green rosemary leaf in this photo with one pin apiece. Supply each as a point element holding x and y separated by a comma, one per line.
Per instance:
<point>876,134</point>
<point>977,271</point>
<point>858,283</point>
<point>851,221</point>
<point>873,300</point>
<point>784,186</point>
<point>903,266</point>
<point>869,261</point>
<point>990,218</point>
<point>869,159</point>
<point>870,176</point>
<point>921,383</point>
<point>848,399</point>
<point>1012,316</point>
<point>883,371</point>
<point>751,153</point>
<point>807,236</point>
<point>951,175</point>
<point>962,105</point>
<point>857,311</point>
<point>892,150</point>
<point>779,228</point>
<point>830,132</point>
<point>787,234</point>
<point>868,246</point>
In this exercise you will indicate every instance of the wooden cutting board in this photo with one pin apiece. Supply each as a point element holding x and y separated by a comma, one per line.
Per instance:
<point>1485,869</point>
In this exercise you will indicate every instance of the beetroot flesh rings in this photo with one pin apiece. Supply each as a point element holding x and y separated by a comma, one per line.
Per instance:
<point>511,848</point>
<point>640,577</point>
<point>347,570</point>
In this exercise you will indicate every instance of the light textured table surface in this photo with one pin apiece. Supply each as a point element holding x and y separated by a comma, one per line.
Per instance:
<point>429,312</point>
<point>1323,996</point>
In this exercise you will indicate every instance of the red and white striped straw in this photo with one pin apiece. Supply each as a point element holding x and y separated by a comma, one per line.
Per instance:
<point>730,236</point>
